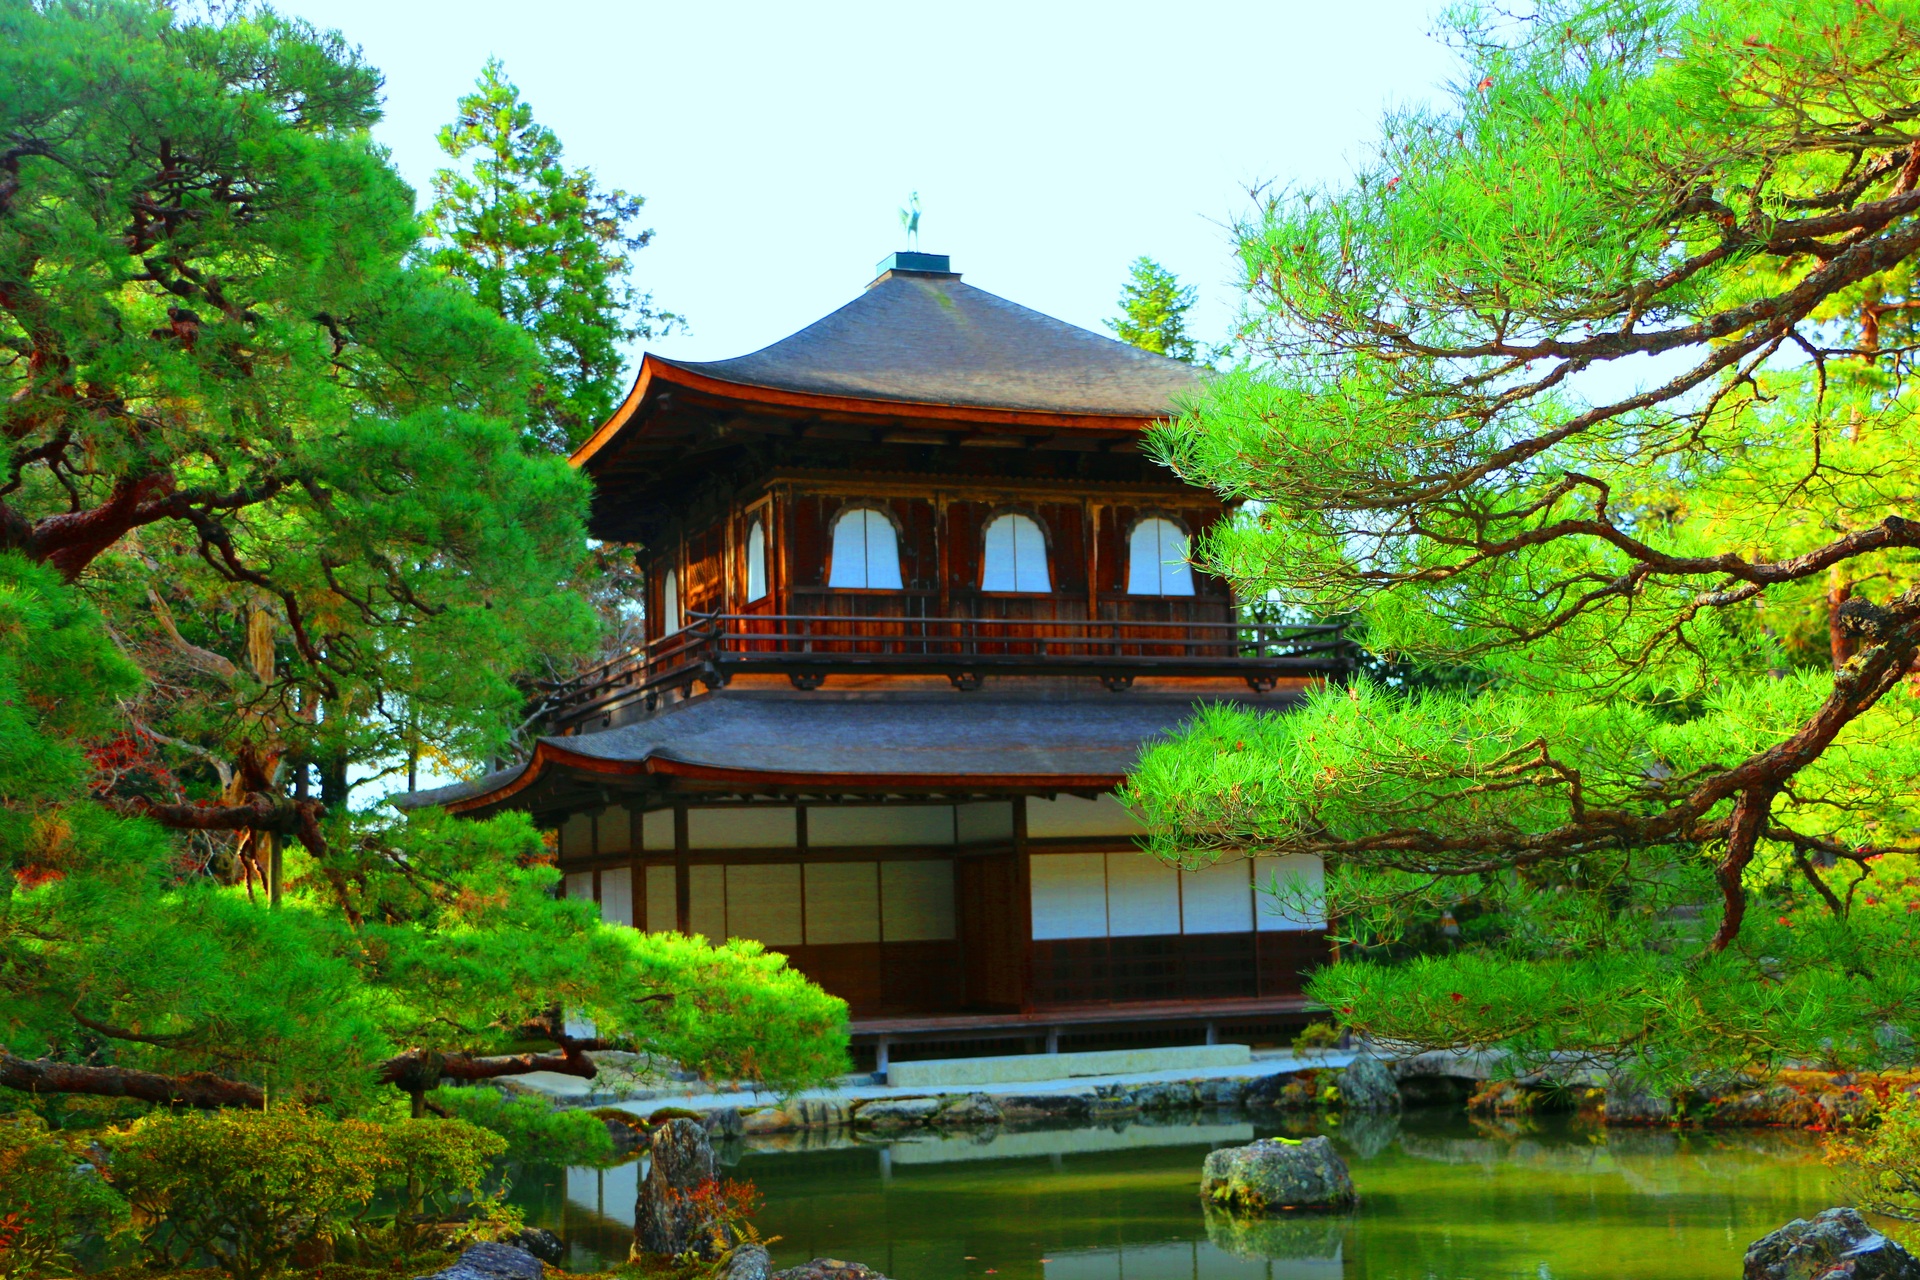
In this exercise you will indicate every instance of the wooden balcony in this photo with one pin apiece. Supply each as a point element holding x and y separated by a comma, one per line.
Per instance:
<point>809,648</point>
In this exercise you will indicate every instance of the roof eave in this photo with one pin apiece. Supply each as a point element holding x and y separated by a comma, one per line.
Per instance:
<point>548,755</point>
<point>655,371</point>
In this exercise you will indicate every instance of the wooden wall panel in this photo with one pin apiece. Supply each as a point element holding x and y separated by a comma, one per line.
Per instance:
<point>991,937</point>
<point>1287,958</point>
<point>702,589</point>
<point>965,527</point>
<point>1066,545</point>
<point>885,979</point>
<point>1212,966</point>
<point>806,548</point>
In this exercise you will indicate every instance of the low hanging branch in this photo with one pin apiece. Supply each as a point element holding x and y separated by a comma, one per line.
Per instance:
<point>415,1071</point>
<point>195,1089</point>
<point>290,817</point>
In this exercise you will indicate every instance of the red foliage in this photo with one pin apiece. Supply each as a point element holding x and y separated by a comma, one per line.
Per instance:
<point>723,1208</point>
<point>129,758</point>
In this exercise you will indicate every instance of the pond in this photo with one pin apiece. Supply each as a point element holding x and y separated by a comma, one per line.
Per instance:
<point>1443,1198</point>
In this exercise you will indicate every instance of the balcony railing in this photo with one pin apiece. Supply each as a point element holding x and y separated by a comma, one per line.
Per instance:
<point>806,648</point>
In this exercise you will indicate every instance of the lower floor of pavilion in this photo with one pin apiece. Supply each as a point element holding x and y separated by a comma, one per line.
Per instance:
<point>930,913</point>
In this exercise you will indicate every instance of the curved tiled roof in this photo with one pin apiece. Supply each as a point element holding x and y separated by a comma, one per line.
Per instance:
<point>927,338</point>
<point>1073,742</point>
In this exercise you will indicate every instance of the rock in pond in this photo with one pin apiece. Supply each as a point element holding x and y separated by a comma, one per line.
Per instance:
<point>1276,1174</point>
<point>1366,1085</point>
<point>666,1220</point>
<point>1836,1245</point>
<point>491,1261</point>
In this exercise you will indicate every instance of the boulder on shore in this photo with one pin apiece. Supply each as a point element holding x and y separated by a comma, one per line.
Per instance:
<point>1367,1085</point>
<point>489,1261</point>
<point>1052,1107</point>
<point>749,1262</point>
<point>1307,1090</point>
<point>1276,1174</point>
<point>1630,1102</point>
<point>896,1113</point>
<point>1837,1245</point>
<point>539,1242</point>
<point>973,1111</point>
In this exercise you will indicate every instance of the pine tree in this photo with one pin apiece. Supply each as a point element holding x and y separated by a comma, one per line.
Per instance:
<point>1153,312</point>
<point>546,247</point>
<point>1583,383</point>
<point>268,498</point>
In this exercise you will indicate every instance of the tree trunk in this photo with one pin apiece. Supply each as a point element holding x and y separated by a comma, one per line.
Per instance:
<point>1840,645</point>
<point>666,1221</point>
<point>333,781</point>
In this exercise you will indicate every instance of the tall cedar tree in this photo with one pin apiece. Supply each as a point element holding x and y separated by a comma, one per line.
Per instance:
<point>546,247</point>
<point>1153,312</point>
<point>266,482</point>
<point>1594,380</point>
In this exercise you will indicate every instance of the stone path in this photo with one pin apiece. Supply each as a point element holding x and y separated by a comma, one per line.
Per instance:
<point>571,1090</point>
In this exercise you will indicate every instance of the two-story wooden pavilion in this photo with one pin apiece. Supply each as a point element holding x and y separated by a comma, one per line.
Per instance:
<point>915,601</point>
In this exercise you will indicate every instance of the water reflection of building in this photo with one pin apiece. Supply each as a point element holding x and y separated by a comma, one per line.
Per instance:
<point>915,599</point>
<point>841,1167</point>
<point>1189,1260</point>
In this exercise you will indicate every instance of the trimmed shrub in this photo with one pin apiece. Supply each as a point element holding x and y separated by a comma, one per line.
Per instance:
<point>51,1199</point>
<point>255,1190</point>
<point>533,1128</point>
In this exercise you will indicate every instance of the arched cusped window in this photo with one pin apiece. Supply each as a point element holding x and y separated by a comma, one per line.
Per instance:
<point>670,603</point>
<point>1157,560</point>
<point>866,551</point>
<point>1014,556</point>
<point>756,561</point>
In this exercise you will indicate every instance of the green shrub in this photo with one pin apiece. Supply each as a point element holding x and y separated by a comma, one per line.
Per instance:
<point>254,1190</point>
<point>533,1128</point>
<point>50,1199</point>
<point>1880,1166</point>
<point>438,1177</point>
<point>1317,1035</point>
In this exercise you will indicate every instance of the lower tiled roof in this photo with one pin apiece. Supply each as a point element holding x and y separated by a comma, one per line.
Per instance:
<point>960,736</point>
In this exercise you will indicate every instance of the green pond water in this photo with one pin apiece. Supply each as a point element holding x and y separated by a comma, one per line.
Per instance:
<point>1442,1198</point>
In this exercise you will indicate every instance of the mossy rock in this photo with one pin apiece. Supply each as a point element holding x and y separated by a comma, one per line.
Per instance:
<point>1276,1175</point>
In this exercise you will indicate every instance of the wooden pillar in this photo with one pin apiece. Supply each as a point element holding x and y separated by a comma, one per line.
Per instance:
<point>682,873</point>
<point>1090,533</point>
<point>942,554</point>
<point>1023,900</point>
<point>780,550</point>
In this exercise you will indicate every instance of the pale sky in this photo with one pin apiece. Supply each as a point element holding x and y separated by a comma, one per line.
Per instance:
<point>1051,143</point>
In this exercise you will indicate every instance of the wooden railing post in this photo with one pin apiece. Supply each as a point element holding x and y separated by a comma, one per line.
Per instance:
<point>1110,648</point>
